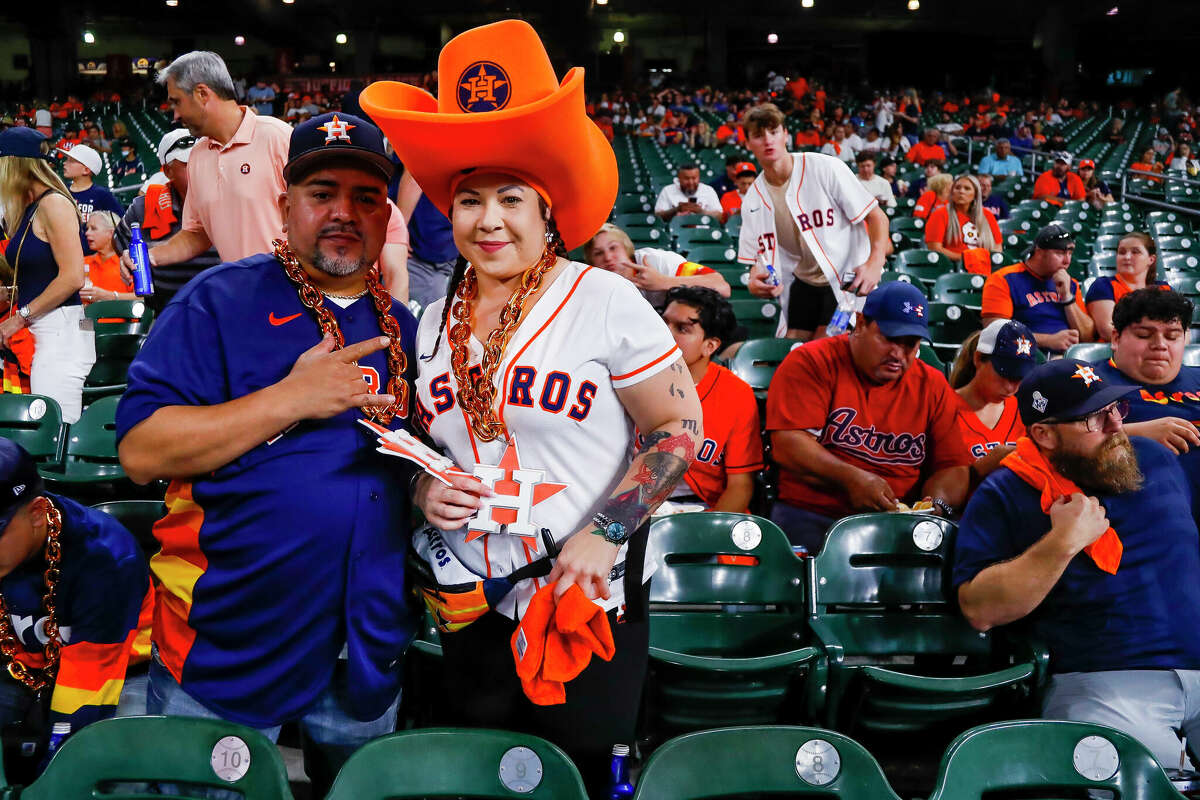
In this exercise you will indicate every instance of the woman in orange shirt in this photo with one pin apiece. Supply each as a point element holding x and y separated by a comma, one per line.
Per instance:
<point>970,227</point>
<point>936,195</point>
<point>102,270</point>
<point>986,374</point>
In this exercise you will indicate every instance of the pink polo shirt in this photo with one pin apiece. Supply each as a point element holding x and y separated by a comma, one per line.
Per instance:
<point>233,189</point>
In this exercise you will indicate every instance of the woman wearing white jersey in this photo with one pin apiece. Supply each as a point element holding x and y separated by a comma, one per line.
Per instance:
<point>534,373</point>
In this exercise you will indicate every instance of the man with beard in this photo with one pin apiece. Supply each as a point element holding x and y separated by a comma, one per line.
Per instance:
<point>1084,533</point>
<point>1058,184</point>
<point>280,583</point>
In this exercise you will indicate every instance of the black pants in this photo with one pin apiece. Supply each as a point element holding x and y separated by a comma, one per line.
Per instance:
<point>481,690</point>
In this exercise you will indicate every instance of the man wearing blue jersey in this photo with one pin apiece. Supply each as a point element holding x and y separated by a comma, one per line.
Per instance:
<point>283,545</point>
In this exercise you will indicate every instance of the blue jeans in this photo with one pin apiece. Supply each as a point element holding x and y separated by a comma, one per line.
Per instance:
<point>330,733</point>
<point>803,527</point>
<point>427,281</point>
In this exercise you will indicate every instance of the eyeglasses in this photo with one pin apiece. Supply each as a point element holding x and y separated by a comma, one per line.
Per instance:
<point>1095,421</point>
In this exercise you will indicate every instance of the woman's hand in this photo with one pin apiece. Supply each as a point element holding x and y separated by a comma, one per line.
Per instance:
<point>9,328</point>
<point>447,508</point>
<point>586,559</point>
<point>90,294</point>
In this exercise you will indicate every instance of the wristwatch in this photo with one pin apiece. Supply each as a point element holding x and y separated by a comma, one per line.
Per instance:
<point>612,531</point>
<point>1068,301</point>
<point>25,314</point>
<point>946,509</point>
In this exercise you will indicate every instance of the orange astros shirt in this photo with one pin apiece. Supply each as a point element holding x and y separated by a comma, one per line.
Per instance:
<point>732,437</point>
<point>979,438</point>
<point>902,431</point>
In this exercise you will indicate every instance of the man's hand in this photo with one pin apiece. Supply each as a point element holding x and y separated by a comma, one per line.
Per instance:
<point>323,382</point>
<point>760,284</point>
<point>126,267</point>
<point>1062,340</point>
<point>689,208</point>
<point>1174,432</point>
<point>866,278</point>
<point>1062,284</point>
<point>1077,521</point>
<point>649,279</point>
<point>586,559</point>
<point>869,492</point>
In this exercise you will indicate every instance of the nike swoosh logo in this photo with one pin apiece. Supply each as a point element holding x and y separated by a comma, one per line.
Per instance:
<point>277,321</point>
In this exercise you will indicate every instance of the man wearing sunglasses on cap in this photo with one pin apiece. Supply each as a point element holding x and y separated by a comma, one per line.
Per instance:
<point>1088,535</point>
<point>160,213</point>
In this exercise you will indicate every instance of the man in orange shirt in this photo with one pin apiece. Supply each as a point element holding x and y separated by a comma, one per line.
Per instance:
<point>928,149</point>
<point>1058,183</point>
<point>743,178</point>
<point>810,136</point>
<point>722,476</point>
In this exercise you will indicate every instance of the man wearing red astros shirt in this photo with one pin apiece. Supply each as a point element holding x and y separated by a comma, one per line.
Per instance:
<point>858,424</point>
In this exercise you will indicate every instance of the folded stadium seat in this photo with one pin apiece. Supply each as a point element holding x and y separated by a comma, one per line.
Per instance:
<point>963,288</point>
<point>138,517</point>
<point>1167,228</point>
<point>90,461</point>
<point>738,278</point>
<point>687,237</point>
<point>1183,194</point>
<point>1122,212</point>
<point>681,221</point>
<point>902,659</point>
<point>760,317</point>
<point>1116,227</point>
<point>782,761</point>
<point>1103,263</point>
<point>120,316</point>
<point>634,219</point>
<point>949,325</point>
<point>648,237</point>
<point>1016,237</point>
<point>710,254</point>
<point>924,265</point>
<point>1163,216</point>
<point>757,359</point>
<point>733,226</point>
<point>1106,242</point>
<point>1178,244</point>
<point>34,422</point>
<point>635,201</point>
<point>889,275</point>
<point>1049,758</point>
<point>190,753</point>
<point>1090,351</point>
<point>457,762</point>
<point>114,353</point>
<point>1179,262</point>
<point>728,639</point>
<point>930,357</point>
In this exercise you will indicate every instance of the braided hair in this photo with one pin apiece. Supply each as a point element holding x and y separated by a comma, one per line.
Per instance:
<point>555,243</point>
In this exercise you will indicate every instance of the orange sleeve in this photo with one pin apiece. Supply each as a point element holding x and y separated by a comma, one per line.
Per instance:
<point>925,204</point>
<point>997,301</point>
<point>912,153</point>
<point>935,228</point>
<point>1043,188</point>
<point>991,220</point>
<point>1078,191</point>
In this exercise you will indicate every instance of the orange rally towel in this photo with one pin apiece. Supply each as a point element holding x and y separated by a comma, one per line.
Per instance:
<point>159,216</point>
<point>978,261</point>
<point>555,642</point>
<point>1032,467</point>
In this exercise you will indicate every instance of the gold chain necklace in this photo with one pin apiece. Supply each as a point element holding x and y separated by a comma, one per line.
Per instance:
<point>311,297</point>
<point>38,678</point>
<point>477,397</point>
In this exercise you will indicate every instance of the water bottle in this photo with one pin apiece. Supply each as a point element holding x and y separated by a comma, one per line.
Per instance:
<point>143,281</point>
<point>619,786</point>
<point>847,306</point>
<point>58,734</point>
<point>772,275</point>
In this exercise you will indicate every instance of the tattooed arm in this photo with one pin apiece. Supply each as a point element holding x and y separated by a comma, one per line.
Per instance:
<point>667,407</point>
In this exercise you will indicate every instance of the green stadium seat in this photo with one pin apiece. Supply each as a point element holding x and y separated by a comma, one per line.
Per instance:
<point>889,275</point>
<point>689,237</point>
<point>627,203</point>
<point>34,422</point>
<point>949,325</point>
<point>1107,241</point>
<point>711,254</point>
<point>1049,758</point>
<point>738,278</point>
<point>457,762</point>
<point>757,359</point>
<point>681,221</point>
<point>963,288</point>
<point>1153,217</point>
<point>138,517</point>
<point>120,316</point>
<point>91,451</point>
<point>775,761</point>
<point>114,353</point>
<point>727,626</point>
<point>924,265</point>
<point>1116,228</point>
<point>1164,228</point>
<point>1178,244</point>
<point>930,357</point>
<point>1090,351</point>
<point>759,316</point>
<point>1179,262</point>
<point>902,659</point>
<point>183,751</point>
<point>1099,267</point>
<point>635,219</point>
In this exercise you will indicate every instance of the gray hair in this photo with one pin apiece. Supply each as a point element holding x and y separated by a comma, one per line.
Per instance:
<point>196,67</point>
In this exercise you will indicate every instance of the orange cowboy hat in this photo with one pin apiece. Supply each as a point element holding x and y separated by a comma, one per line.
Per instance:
<point>500,109</point>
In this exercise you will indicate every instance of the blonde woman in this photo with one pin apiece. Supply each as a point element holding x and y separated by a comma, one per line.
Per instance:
<point>653,271</point>
<point>971,226</point>
<point>936,195</point>
<point>47,256</point>
<point>104,280</point>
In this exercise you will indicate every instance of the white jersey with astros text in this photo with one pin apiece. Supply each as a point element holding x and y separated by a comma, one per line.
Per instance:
<point>590,334</point>
<point>829,204</point>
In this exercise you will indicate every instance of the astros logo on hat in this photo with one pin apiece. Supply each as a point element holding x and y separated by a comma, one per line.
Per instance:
<point>336,129</point>
<point>483,86</point>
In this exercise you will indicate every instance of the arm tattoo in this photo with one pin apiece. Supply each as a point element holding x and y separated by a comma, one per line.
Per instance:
<point>659,467</point>
<point>690,425</point>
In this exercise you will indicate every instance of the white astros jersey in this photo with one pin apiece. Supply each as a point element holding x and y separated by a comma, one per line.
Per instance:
<point>829,204</point>
<point>590,334</point>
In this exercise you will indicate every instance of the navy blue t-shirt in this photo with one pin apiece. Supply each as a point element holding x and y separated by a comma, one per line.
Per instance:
<point>1147,615</point>
<point>997,205</point>
<point>1178,398</point>
<point>96,198</point>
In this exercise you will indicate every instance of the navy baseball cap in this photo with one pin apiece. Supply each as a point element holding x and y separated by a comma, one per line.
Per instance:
<point>19,480</point>
<point>899,309</point>
<point>1065,389</point>
<point>335,135</point>
<point>1052,237</point>
<point>25,143</point>
<point>1010,348</point>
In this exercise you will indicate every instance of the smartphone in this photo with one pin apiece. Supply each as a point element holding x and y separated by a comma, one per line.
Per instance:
<point>691,199</point>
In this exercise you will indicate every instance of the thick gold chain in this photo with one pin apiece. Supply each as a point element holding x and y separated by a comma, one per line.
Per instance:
<point>477,397</point>
<point>312,299</point>
<point>38,678</point>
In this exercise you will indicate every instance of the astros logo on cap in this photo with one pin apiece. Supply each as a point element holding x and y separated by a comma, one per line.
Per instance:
<point>1087,375</point>
<point>1024,346</point>
<point>336,129</point>
<point>483,86</point>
